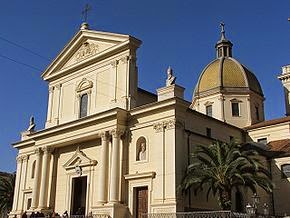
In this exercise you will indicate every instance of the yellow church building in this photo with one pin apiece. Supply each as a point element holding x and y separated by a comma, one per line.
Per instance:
<point>112,149</point>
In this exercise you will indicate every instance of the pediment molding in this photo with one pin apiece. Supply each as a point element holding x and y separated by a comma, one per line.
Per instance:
<point>84,85</point>
<point>80,159</point>
<point>85,46</point>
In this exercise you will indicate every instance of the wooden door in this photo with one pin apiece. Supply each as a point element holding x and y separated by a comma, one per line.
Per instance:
<point>141,201</point>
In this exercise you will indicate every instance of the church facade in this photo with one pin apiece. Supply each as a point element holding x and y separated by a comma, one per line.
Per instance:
<point>111,148</point>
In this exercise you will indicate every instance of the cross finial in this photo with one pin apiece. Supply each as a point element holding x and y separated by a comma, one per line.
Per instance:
<point>222,25</point>
<point>85,12</point>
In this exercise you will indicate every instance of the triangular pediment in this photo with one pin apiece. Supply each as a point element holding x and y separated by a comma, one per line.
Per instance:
<point>79,158</point>
<point>85,47</point>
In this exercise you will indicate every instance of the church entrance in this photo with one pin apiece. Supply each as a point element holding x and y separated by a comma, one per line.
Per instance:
<point>78,197</point>
<point>141,201</point>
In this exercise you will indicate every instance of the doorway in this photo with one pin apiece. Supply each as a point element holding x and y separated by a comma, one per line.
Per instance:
<point>78,197</point>
<point>141,201</point>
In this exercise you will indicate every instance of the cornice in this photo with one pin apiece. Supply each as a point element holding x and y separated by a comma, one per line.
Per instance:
<point>159,105</point>
<point>96,118</point>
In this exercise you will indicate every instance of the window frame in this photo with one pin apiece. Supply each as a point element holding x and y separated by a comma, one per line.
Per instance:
<point>238,103</point>
<point>235,113</point>
<point>208,132</point>
<point>81,113</point>
<point>287,174</point>
<point>207,111</point>
<point>84,87</point>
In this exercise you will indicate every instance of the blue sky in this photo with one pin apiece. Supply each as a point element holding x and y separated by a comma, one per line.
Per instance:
<point>179,33</point>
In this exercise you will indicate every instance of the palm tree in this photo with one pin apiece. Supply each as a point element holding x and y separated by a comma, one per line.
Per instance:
<point>7,182</point>
<point>221,167</point>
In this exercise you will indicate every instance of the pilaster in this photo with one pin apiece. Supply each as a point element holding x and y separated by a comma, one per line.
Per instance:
<point>50,105</point>
<point>23,181</point>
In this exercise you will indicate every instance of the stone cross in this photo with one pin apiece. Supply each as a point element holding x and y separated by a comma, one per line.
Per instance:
<point>85,12</point>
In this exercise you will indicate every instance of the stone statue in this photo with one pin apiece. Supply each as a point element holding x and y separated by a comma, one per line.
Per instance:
<point>31,127</point>
<point>142,151</point>
<point>170,78</point>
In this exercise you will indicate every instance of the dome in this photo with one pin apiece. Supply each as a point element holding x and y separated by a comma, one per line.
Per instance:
<point>227,74</point>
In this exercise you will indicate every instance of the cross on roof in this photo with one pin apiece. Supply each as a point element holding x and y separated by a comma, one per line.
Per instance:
<point>85,12</point>
<point>222,25</point>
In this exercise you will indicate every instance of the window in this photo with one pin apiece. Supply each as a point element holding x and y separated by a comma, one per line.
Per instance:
<point>235,109</point>
<point>208,110</point>
<point>208,132</point>
<point>262,140</point>
<point>257,112</point>
<point>84,90</point>
<point>83,105</point>
<point>29,200</point>
<point>285,171</point>
<point>33,170</point>
<point>231,138</point>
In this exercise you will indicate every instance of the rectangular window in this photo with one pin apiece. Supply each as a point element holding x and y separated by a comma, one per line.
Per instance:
<point>231,138</point>
<point>285,171</point>
<point>235,109</point>
<point>262,140</point>
<point>208,110</point>
<point>208,132</point>
<point>257,113</point>
<point>28,203</point>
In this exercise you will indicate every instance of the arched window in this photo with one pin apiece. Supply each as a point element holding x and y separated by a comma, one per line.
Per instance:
<point>285,168</point>
<point>33,170</point>
<point>84,90</point>
<point>83,105</point>
<point>141,149</point>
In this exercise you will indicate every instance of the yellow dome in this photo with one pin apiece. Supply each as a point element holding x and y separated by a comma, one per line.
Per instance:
<point>226,73</point>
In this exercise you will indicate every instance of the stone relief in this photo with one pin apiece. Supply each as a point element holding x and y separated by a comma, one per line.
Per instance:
<point>86,50</point>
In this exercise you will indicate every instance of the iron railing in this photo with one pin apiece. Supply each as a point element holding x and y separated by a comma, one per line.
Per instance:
<point>201,214</point>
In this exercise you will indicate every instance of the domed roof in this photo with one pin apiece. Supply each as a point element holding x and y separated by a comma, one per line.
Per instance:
<point>226,73</point>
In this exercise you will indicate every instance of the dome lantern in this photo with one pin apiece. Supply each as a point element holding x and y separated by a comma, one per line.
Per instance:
<point>223,46</point>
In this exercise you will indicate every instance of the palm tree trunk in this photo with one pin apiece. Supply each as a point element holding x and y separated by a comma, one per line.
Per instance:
<point>225,199</point>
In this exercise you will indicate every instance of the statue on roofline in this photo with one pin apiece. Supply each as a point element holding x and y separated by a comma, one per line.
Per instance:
<point>170,78</point>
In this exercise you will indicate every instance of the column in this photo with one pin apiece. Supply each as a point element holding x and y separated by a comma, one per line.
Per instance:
<point>115,168</point>
<point>23,181</point>
<point>103,178</point>
<point>35,191</point>
<point>44,178</point>
<point>17,182</point>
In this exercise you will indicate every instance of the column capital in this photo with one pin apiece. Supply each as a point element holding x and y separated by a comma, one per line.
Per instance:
<point>116,132</point>
<point>58,86</point>
<point>19,158</point>
<point>37,151</point>
<point>104,136</point>
<point>25,157</point>
<point>50,89</point>
<point>114,63</point>
<point>47,149</point>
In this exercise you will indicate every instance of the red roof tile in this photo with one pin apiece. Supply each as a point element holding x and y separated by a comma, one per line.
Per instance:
<point>268,123</point>
<point>280,145</point>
